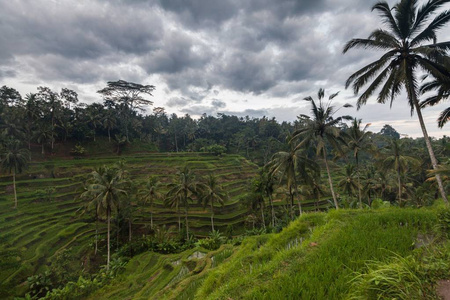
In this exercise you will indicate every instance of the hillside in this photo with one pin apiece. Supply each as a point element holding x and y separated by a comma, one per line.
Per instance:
<point>47,219</point>
<point>316,257</point>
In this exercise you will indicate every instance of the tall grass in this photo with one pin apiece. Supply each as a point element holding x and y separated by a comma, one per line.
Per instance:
<point>321,267</point>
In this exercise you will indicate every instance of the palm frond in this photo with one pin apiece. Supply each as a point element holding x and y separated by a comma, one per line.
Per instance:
<point>385,12</point>
<point>429,33</point>
<point>444,117</point>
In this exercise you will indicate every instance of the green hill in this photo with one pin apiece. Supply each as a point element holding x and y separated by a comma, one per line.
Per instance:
<point>316,257</point>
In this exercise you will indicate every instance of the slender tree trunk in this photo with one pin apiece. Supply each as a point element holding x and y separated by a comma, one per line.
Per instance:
<point>53,129</point>
<point>42,149</point>
<point>96,233</point>
<point>176,143</point>
<point>399,188</point>
<point>109,135</point>
<point>298,200</point>
<point>430,150</point>
<point>14,185</point>
<point>108,213</point>
<point>272,210</point>
<point>359,182</point>
<point>186,220</point>
<point>179,220</point>
<point>261,206</point>
<point>129,229</point>
<point>291,202</point>
<point>212,216</point>
<point>330,182</point>
<point>151,216</point>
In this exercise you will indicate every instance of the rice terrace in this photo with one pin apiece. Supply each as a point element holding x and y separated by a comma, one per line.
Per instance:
<point>241,171</point>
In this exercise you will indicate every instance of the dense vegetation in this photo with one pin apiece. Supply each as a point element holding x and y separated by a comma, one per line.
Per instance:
<point>92,191</point>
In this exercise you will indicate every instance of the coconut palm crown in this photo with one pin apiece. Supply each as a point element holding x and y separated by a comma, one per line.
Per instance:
<point>409,46</point>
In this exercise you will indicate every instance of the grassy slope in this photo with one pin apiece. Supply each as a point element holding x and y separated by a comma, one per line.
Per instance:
<point>314,258</point>
<point>44,224</point>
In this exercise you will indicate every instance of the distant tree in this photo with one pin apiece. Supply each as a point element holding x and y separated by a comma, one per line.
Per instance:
<point>107,186</point>
<point>320,129</point>
<point>409,47</point>
<point>358,141</point>
<point>128,96</point>
<point>395,159</point>
<point>348,183</point>
<point>9,97</point>
<point>149,193</point>
<point>69,96</point>
<point>212,192</point>
<point>14,159</point>
<point>389,131</point>
<point>183,192</point>
<point>109,122</point>
<point>53,105</point>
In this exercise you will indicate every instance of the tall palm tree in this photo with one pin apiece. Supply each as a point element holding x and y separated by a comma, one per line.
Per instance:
<point>268,183</point>
<point>358,140</point>
<point>107,187</point>
<point>320,129</point>
<point>396,160</point>
<point>183,192</point>
<point>213,193</point>
<point>14,159</point>
<point>93,203</point>
<point>348,182</point>
<point>409,47</point>
<point>149,193</point>
<point>109,122</point>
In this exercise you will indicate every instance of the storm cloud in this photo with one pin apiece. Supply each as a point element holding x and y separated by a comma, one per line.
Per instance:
<point>270,53</point>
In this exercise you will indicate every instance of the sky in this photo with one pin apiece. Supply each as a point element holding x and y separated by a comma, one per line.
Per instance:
<point>241,57</point>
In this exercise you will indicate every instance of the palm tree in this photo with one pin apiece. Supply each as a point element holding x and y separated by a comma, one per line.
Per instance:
<point>183,192</point>
<point>408,45</point>
<point>322,128</point>
<point>149,193</point>
<point>107,186</point>
<point>397,161</point>
<point>357,142</point>
<point>348,182</point>
<point>268,183</point>
<point>14,159</point>
<point>109,122</point>
<point>213,193</point>
<point>93,203</point>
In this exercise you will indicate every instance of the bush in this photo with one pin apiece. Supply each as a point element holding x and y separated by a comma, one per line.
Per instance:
<point>214,149</point>
<point>213,242</point>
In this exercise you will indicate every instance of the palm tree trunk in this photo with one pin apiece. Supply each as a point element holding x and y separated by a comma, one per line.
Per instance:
<point>212,216</point>
<point>14,186</point>
<point>96,234</point>
<point>272,209</point>
<point>359,182</point>
<point>399,188</point>
<point>42,151</point>
<point>109,135</point>
<point>151,219</point>
<point>330,182</point>
<point>186,220</point>
<point>129,229</point>
<point>261,206</point>
<point>430,150</point>
<point>298,201</point>
<point>179,219</point>
<point>108,216</point>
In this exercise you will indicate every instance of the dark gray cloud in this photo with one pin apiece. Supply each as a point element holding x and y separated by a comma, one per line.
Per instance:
<point>218,103</point>
<point>268,52</point>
